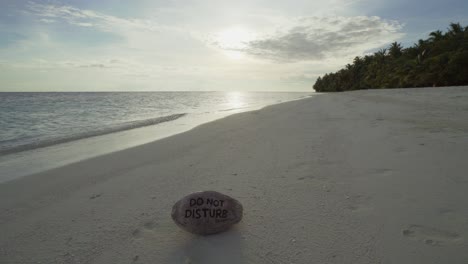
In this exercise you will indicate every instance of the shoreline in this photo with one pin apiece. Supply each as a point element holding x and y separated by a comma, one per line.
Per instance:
<point>361,177</point>
<point>82,148</point>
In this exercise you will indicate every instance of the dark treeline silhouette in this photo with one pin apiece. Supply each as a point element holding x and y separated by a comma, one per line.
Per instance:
<point>440,60</point>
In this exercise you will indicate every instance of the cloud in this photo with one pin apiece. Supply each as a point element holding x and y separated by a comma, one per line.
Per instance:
<point>94,65</point>
<point>49,13</point>
<point>318,38</point>
<point>47,21</point>
<point>46,64</point>
<point>118,67</point>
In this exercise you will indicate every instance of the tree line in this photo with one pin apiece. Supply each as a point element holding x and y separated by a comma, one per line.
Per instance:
<point>439,60</point>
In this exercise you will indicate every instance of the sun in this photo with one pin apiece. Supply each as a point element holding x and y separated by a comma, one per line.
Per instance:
<point>234,37</point>
<point>232,40</point>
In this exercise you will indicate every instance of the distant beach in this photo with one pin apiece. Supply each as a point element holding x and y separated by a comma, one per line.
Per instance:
<point>375,176</point>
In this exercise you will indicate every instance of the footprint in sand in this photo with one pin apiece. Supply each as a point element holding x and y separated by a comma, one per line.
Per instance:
<point>95,196</point>
<point>431,236</point>
<point>147,227</point>
<point>400,149</point>
<point>137,233</point>
<point>359,203</point>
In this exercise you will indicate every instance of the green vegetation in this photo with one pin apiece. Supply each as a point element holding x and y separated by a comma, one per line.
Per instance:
<point>440,60</point>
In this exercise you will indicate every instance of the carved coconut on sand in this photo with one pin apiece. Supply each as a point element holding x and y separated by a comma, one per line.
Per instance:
<point>206,213</point>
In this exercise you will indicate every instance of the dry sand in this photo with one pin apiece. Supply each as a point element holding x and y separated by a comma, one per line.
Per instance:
<point>357,177</point>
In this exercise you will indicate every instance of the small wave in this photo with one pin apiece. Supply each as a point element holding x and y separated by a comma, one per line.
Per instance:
<point>94,133</point>
<point>231,109</point>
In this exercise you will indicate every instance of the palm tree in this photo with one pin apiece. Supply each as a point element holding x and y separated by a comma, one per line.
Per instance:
<point>455,29</point>
<point>380,55</point>
<point>421,48</point>
<point>421,45</point>
<point>436,35</point>
<point>395,50</point>
<point>382,52</point>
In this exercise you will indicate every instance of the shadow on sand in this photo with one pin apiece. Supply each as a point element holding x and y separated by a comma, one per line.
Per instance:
<point>220,248</point>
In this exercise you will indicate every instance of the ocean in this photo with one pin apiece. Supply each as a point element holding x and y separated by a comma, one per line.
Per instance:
<point>40,131</point>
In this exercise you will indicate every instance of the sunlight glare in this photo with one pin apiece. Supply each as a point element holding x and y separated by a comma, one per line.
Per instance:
<point>235,100</point>
<point>233,39</point>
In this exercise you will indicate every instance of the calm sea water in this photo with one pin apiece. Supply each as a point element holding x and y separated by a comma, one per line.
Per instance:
<point>35,120</point>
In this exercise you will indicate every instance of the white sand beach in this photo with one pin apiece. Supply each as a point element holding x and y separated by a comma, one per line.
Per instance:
<point>358,177</point>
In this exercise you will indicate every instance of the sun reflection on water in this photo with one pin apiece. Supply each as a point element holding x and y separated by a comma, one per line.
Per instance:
<point>235,100</point>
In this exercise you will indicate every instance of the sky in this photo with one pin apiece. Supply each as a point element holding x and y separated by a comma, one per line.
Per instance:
<point>201,45</point>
